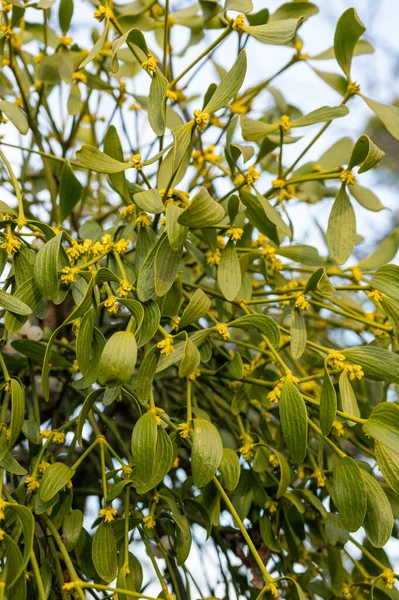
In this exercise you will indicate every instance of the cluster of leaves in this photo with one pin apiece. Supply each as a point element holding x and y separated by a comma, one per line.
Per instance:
<point>167,348</point>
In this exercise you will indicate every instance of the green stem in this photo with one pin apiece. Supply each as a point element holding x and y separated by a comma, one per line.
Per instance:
<point>38,577</point>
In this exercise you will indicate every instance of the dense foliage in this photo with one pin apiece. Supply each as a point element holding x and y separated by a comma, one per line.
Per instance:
<point>171,358</point>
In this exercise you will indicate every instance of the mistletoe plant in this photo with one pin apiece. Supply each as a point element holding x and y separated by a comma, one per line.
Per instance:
<point>171,358</point>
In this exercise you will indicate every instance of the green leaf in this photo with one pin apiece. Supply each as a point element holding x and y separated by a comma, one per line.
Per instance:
<point>365,154</point>
<point>378,522</point>
<point>230,469</point>
<point>388,114</point>
<point>27,522</point>
<point>264,324</point>
<point>386,280</point>
<point>54,479</point>
<point>104,552</point>
<point>319,281</point>
<point>72,528</point>
<point>273,215</point>
<point>197,307</point>
<point>267,535</point>
<point>14,305</point>
<point>383,425</point>
<point>350,493</point>
<point>253,130</point>
<point>150,201</point>
<point>203,211</point>
<point>166,266</point>
<point>321,115</point>
<point>276,32</point>
<point>15,115</point>
<point>146,374</point>
<point>49,261</point>
<point>384,253</point>
<point>297,333</point>
<point>113,147</point>
<point>366,198</point>
<point>229,272</point>
<point>65,13</point>
<point>257,216</point>
<point>29,294</point>
<point>17,410</point>
<point>98,46</point>
<point>84,412</point>
<point>207,452</point>
<point>388,463</point>
<point>294,424</point>
<point>70,191</point>
<point>349,29</point>
<point>156,103</point>
<point>377,363</point>
<point>149,327</point>
<point>118,359</point>
<point>341,230</point>
<point>229,85</point>
<point>100,162</point>
<point>242,6</point>
<point>348,398</point>
<point>293,10</point>
<point>132,36</point>
<point>177,234</point>
<point>285,474</point>
<point>191,358</point>
<point>328,404</point>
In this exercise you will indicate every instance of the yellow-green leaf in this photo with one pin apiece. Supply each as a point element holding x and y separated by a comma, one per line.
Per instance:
<point>207,452</point>
<point>118,359</point>
<point>350,493</point>
<point>294,423</point>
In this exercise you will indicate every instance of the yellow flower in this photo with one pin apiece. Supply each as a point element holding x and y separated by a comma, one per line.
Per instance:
<point>238,23</point>
<point>356,273</point>
<point>134,106</point>
<point>79,76</point>
<point>58,437</point>
<point>272,589</point>
<point>2,507</point>
<point>336,359</point>
<point>287,193</point>
<point>238,180</point>
<point>108,514</point>
<point>174,323</point>
<point>45,434</point>
<point>285,123</point>
<point>347,177</point>
<point>275,393</point>
<point>124,289</point>
<point>319,476</point>
<point>172,95</point>
<point>69,586</point>
<point>375,295</point>
<point>143,220</point>
<point>97,249</point>
<point>222,330</point>
<point>1,535</point>
<point>271,506</point>
<point>235,233</point>
<point>170,596</point>
<point>11,243</point>
<point>65,40</point>
<point>150,65</point>
<point>252,175</point>
<point>354,371</point>
<point>176,463</point>
<point>239,108</point>
<point>346,591</point>
<point>126,471</point>
<point>149,522</point>
<point>194,375</point>
<point>6,31</point>
<point>273,460</point>
<point>127,211</point>
<point>106,240</point>
<point>43,465</point>
<point>388,577</point>
<point>302,303</point>
<point>213,258</point>
<point>5,62</point>
<point>32,483</point>
<point>102,13</point>
<point>185,430</point>
<point>338,429</point>
<point>278,183</point>
<point>166,346</point>
<point>136,160</point>
<point>69,274</point>
<point>74,251</point>
<point>75,367</point>
<point>121,246</point>
<point>110,305</point>
<point>247,449</point>
<point>201,119</point>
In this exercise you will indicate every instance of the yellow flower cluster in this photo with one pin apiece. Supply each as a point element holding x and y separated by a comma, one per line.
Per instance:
<point>347,177</point>
<point>336,359</point>
<point>185,430</point>
<point>2,507</point>
<point>275,393</point>
<point>222,330</point>
<point>354,371</point>
<point>121,246</point>
<point>149,522</point>
<point>58,437</point>
<point>194,375</point>
<point>285,124</point>
<point>388,577</point>
<point>239,108</point>
<point>102,13</point>
<point>238,23</point>
<point>271,506</point>
<point>79,76</point>
<point>338,429</point>
<point>10,244</point>
<point>124,288</point>
<point>302,303</point>
<point>69,274</point>
<point>150,65</point>
<point>32,483</point>
<point>235,233</point>
<point>272,589</point>
<point>143,220</point>
<point>201,119</point>
<point>111,305</point>
<point>107,514</point>
<point>320,479</point>
<point>166,346</point>
<point>64,40</point>
<point>375,295</point>
<point>273,460</point>
<point>213,258</point>
<point>137,162</point>
<point>247,448</point>
<point>43,466</point>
